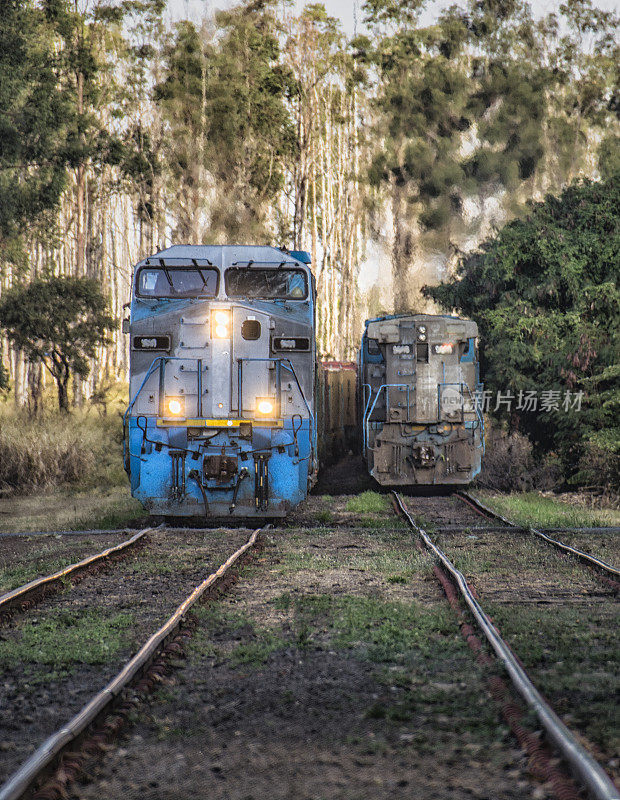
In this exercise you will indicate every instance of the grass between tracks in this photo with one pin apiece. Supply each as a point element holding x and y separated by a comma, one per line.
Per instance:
<point>542,511</point>
<point>572,655</point>
<point>404,643</point>
<point>65,638</point>
<point>15,575</point>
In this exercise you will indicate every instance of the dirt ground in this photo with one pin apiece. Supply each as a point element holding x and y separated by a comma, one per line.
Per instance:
<point>24,558</point>
<point>331,670</point>
<point>56,656</point>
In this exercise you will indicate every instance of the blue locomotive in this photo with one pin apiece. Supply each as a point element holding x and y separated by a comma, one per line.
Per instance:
<point>418,387</point>
<point>222,377</point>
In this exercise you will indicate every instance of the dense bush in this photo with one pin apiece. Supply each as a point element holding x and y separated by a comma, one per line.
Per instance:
<point>509,464</point>
<point>545,294</point>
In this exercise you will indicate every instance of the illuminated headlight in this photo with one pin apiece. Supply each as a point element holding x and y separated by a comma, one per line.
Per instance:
<point>220,323</point>
<point>176,407</point>
<point>442,349</point>
<point>265,406</point>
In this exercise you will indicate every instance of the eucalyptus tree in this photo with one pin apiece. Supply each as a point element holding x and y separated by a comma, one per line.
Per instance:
<point>223,102</point>
<point>322,190</point>
<point>34,110</point>
<point>486,105</point>
<point>458,106</point>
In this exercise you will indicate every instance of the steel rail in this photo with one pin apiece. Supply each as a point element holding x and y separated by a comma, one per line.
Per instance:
<point>592,775</point>
<point>51,748</point>
<point>596,562</point>
<point>18,595</point>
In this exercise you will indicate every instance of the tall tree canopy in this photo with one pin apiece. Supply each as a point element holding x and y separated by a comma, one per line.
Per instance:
<point>34,111</point>
<point>546,295</point>
<point>224,103</point>
<point>485,103</point>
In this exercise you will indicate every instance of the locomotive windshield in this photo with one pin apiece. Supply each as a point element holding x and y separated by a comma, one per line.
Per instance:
<point>266,284</point>
<point>183,282</point>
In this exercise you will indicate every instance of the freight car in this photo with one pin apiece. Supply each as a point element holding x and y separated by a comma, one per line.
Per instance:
<point>336,408</point>
<point>221,419</point>
<point>418,383</point>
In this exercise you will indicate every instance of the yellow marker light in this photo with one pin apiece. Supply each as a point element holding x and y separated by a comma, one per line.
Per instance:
<point>175,407</point>
<point>264,406</point>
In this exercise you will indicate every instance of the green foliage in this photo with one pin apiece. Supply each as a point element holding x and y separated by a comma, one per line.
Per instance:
<point>368,502</point>
<point>59,322</point>
<point>545,295</point>
<point>540,511</point>
<point>33,112</point>
<point>224,99</point>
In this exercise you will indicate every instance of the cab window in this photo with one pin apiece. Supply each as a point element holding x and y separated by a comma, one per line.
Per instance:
<point>178,282</point>
<point>267,284</point>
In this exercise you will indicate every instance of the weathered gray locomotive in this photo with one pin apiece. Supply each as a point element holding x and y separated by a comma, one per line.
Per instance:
<point>418,384</point>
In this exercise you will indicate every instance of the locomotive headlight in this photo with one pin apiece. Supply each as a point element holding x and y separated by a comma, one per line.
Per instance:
<point>265,406</point>
<point>220,323</point>
<point>422,328</point>
<point>444,349</point>
<point>175,407</point>
<point>421,336</point>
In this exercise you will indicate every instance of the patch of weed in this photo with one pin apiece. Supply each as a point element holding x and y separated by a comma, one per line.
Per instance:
<point>572,654</point>
<point>283,602</point>
<point>67,637</point>
<point>257,652</point>
<point>380,631</point>
<point>540,511</point>
<point>302,560</point>
<point>368,502</point>
<point>17,574</point>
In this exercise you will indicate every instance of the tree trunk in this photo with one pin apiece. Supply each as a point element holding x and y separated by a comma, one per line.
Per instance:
<point>63,395</point>
<point>401,252</point>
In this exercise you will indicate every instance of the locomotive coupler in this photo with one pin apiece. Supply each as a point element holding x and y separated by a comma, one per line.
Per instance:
<point>423,456</point>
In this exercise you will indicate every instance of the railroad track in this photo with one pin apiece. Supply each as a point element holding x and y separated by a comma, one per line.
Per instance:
<point>89,729</point>
<point>289,710</point>
<point>590,774</point>
<point>607,569</point>
<point>29,594</point>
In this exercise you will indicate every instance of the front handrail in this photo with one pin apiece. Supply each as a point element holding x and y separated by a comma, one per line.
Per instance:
<point>149,372</point>
<point>366,404</point>
<point>387,387</point>
<point>280,363</point>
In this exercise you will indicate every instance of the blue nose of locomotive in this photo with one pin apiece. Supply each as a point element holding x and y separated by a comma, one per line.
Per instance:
<point>220,419</point>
